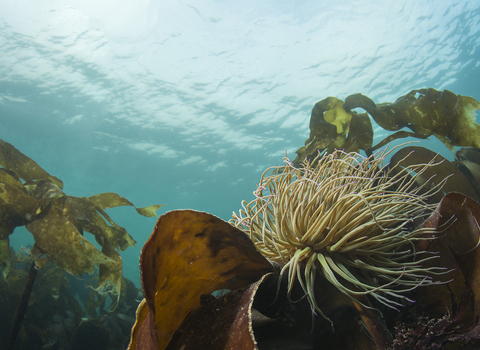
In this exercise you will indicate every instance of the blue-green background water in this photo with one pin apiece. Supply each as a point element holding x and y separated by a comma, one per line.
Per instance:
<point>185,103</point>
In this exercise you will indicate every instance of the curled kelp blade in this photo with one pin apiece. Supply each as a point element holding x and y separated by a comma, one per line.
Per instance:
<point>223,323</point>
<point>24,167</point>
<point>449,117</point>
<point>144,331</point>
<point>471,154</point>
<point>333,127</point>
<point>472,171</point>
<point>451,308</point>
<point>438,299</point>
<point>189,254</point>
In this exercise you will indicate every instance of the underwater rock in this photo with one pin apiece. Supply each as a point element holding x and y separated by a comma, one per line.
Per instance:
<point>457,331</point>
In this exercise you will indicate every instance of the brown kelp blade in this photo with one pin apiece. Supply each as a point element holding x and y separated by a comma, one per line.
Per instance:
<point>17,208</point>
<point>459,217</point>
<point>449,117</point>
<point>224,323</point>
<point>60,240</point>
<point>57,221</point>
<point>189,254</point>
<point>24,167</point>
<point>468,161</point>
<point>112,199</point>
<point>331,126</point>
<point>457,181</point>
<point>93,219</point>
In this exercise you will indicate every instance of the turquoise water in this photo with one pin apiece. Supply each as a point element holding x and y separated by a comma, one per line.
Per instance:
<point>186,103</point>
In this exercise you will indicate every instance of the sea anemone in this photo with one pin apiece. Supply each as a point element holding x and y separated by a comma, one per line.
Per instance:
<point>349,218</point>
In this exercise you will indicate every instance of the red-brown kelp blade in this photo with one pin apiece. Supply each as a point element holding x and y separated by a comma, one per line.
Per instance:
<point>413,155</point>
<point>459,217</point>
<point>189,253</point>
<point>224,323</point>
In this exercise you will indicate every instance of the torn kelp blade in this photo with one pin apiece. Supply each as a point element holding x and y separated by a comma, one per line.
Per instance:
<point>60,240</point>
<point>189,254</point>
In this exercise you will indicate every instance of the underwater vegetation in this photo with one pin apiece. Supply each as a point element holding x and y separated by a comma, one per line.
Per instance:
<point>61,308</point>
<point>337,250</point>
<point>347,218</point>
<point>31,197</point>
<point>334,124</point>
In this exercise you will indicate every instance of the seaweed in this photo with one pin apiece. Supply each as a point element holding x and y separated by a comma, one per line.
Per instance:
<point>447,116</point>
<point>181,268</point>
<point>180,265</point>
<point>457,181</point>
<point>189,254</point>
<point>58,221</point>
<point>31,197</point>
<point>331,126</point>
<point>60,303</point>
<point>426,112</point>
<point>435,333</point>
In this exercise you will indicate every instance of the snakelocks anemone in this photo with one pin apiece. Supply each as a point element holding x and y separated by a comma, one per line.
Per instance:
<point>349,218</point>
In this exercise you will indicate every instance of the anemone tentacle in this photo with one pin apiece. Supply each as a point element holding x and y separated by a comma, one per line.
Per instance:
<point>351,218</point>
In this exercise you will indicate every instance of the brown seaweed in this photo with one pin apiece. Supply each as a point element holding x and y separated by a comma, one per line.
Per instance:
<point>189,254</point>
<point>456,182</point>
<point>468,161</point>
<point>331,126</point>
<point>55,307</point>
<point>223,323</point>
<point>183,260</point>
<point>460,216</point>
<point>435,333</point>
<point>24,167</point>
<point>57,221</point>
<point>426,112</point>
<point>447,116</point>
